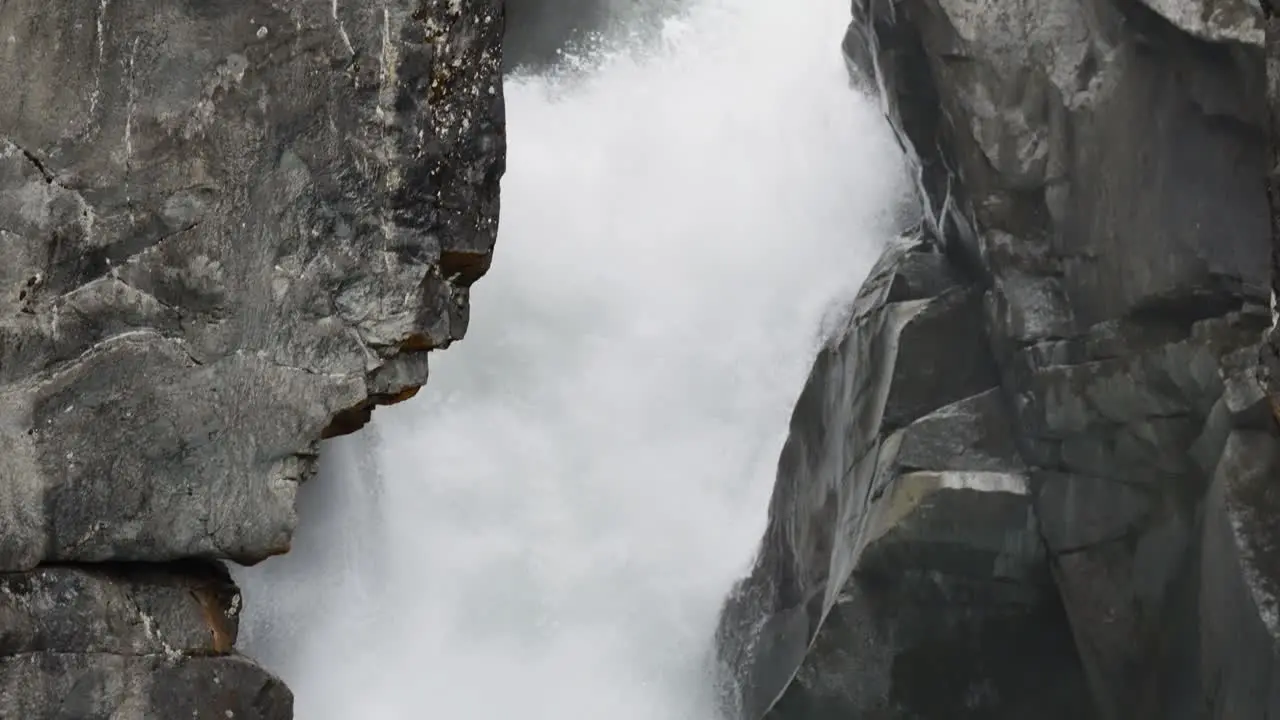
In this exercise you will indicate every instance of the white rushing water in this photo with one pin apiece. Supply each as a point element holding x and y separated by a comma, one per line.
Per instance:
<point>547,531</point>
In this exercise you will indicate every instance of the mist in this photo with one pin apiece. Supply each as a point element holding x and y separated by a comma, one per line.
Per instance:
<point>548,529</point>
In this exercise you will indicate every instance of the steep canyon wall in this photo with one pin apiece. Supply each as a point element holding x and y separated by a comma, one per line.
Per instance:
<point>227,230</point>
<point>1036,474</point>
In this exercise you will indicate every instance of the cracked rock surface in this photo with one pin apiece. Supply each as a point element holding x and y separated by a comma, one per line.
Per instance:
<point>227,230</point>
<point>223,226</point>
<point>128,641</point>
<point>1087,526</point>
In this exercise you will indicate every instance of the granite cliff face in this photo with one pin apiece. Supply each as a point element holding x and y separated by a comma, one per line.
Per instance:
<point>1036,474</point>
<point>227,230</point>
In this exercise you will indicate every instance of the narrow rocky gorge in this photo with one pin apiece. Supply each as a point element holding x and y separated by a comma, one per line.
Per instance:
<point>227,230</point>
<point>1035,474</point>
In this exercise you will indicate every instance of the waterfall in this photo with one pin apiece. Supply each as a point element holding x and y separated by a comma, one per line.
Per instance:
<point>548,529</point>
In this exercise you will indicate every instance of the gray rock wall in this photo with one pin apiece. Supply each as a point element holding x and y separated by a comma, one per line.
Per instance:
<point>227,230</point>
<point>1087,530</point>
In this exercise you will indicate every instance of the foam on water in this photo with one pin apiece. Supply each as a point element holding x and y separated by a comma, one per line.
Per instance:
<point>547,531</point>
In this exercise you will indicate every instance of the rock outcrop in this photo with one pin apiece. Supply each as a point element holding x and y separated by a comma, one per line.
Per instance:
<point>1035,476</point>
<point>227,231</point>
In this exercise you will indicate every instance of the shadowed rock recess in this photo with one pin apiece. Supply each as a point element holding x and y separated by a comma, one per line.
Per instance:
<point>1038,474</point>
<point>227,230</point>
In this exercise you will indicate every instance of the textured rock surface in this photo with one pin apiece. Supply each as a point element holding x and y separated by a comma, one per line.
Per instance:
<point>901,534</point>
<point>1093,171</point>
<point>128,641</point>
<point>1239,584</point>
<point>224,225</point>
<point>227,230</point>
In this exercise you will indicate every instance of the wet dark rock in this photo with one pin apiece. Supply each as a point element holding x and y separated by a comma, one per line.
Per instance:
<point>106,687</point>
<point>220,228</point>
<point>912,646</point>
<point>539,31</point>
<point>972,434</point>
<point>1090,534</point>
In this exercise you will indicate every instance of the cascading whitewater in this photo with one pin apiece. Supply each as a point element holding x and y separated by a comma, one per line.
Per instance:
<point>549,529</point>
